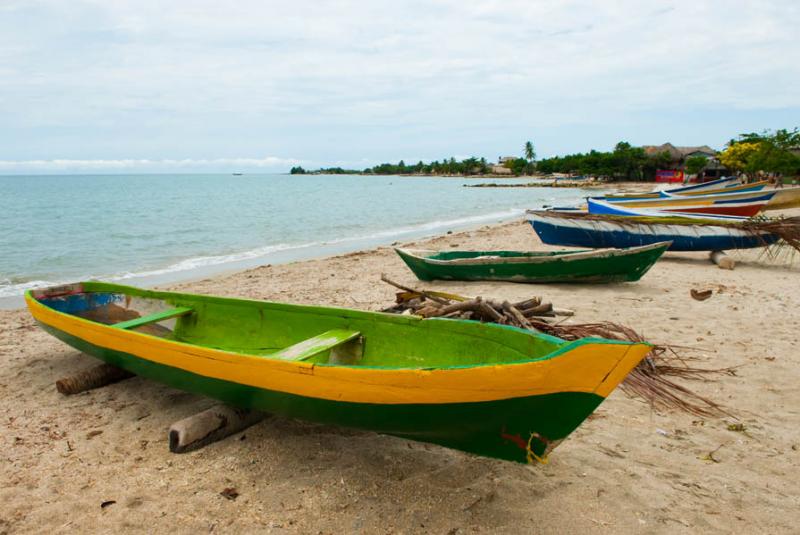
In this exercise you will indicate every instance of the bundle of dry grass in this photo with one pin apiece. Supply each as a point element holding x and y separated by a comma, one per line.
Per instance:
<point>649,380</point>
<point>786,228</point>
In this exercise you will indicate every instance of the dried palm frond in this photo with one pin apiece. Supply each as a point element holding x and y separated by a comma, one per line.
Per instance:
<point>786,228</point>
<point>649,380</point>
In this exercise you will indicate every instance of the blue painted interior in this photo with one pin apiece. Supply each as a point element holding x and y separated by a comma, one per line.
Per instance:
<point>72,304</point>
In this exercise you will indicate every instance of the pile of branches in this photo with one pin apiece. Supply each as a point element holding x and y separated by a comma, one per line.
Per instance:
<point>649,380</point>
<point>429,304</point>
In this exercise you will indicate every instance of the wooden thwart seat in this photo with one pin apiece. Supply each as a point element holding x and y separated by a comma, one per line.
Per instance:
<point>153,318</point>
<point>312,347</point>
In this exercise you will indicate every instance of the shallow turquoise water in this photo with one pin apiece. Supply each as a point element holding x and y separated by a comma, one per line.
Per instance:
<point>56,229</point>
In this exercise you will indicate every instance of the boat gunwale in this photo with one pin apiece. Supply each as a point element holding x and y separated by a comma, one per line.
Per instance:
<point>226,356</point>
<point>596,207</point>
<point>566,256</point>
<point>699,200</point>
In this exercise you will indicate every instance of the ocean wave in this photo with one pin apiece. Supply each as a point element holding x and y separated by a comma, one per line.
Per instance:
<point>15,290</point>
<point>8,289</point>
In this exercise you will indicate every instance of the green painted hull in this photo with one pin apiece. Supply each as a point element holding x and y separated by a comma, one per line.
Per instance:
<point>605,266</point>
<point>499,429</point>
<point>487,389</point>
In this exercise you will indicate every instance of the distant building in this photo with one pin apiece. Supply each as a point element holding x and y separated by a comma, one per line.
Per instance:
<point>500,168</point>
<point>679,155</point>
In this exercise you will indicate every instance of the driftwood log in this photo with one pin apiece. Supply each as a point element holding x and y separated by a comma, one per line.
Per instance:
<point>722,260</point>
<point>101,375</point>
<point>211,425</point>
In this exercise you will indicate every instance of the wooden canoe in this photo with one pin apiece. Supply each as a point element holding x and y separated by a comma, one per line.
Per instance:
<point>738,204</point>
<point>741,188</point>
<point>665,194</point>
<point>784,198</point>
<point>728,182</point>
<point>605,265</point>
<point>488,389</point>
<point>689,235</point>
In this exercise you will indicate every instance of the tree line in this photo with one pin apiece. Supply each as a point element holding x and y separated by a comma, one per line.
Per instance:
<point>769,152</point>
<point>625,162</point>
<point>772,153</point>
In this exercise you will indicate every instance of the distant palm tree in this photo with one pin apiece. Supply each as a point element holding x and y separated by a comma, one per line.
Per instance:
<point>530,154</point>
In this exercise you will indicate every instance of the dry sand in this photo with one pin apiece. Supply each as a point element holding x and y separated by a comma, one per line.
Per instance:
<point>628,469</point>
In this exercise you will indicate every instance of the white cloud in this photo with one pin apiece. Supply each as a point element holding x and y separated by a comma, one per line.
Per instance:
<point>63,165</point>
<point>350,79</point>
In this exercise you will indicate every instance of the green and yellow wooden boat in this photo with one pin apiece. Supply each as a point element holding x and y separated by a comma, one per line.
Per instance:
<point>488,389</point>
<point>594,265</point>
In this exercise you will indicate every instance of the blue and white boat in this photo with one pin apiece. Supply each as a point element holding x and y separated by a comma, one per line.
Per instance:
<point>576,231</point>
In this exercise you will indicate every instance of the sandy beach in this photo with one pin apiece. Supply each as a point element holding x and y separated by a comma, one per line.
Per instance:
<point>628,469</point>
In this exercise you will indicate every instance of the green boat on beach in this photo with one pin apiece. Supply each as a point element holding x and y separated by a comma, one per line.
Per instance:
<point>593,265</point>
<point>488,389</point>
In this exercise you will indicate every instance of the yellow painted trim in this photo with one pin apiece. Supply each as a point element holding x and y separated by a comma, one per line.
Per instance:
<point>592,368</point>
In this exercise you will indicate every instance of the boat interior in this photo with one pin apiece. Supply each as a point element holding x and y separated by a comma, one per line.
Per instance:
<point>468,255</point>
<point>298,333</point>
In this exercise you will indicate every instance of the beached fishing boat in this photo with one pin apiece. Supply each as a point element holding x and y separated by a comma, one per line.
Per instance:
<point>725,182</point>
<point>604,265</point>
<point>489,389</point>
<point>666,194</point>
<point>686,234</point>
<point>737,204</point>
<point>741,188</point>
<point>784,198</point>
<point>738,209</point>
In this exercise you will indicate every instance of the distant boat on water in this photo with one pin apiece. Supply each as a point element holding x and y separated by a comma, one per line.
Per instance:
<point>238,174</point>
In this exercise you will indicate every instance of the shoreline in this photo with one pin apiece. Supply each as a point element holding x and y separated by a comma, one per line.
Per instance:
<point>291,254</point>
<point>150,254</point>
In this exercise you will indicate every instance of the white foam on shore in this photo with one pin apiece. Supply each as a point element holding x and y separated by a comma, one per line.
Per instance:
<point>190,265</point>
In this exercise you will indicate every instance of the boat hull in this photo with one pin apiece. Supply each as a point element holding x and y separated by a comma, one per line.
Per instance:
<point>516,412</point>
<point>667,209</point>
<point>737,204</point>
<point>706,186</point>
<point>784,198</point>
<point>667,194</point>
<point>614,265</point>
<point>601,234</point>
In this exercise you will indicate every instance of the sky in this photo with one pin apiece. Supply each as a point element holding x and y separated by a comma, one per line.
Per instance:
<point>209,86</point>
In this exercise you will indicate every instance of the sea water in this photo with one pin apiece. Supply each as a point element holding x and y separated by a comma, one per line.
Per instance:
<point>147,229</point>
